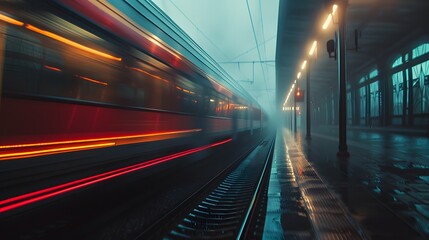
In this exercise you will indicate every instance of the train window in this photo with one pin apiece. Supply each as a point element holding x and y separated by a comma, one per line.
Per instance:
<point>212,104</point>
<point>52,80</point>
<point>152,86</point>
<point>22,62</point>
<point>189,94</point>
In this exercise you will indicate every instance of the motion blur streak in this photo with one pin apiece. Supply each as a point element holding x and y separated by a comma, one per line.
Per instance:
<point>52,68</point>
<point>10,20</point>
<point>36,196</point>
<point>98,139</point>
<point>71,43</point>
<point>129,138</point>
<point>147,73</point>
<point>54,150</point>
<point>92,80</point>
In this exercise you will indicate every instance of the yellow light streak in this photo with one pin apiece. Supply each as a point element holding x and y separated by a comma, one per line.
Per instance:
<point>148,73</point>
<point>53,150</point>
<point>10,20</point>
<point>71,43</point>
<point>97,139</point>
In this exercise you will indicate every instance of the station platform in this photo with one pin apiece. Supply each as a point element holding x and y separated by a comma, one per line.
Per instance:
<point>380,192</point>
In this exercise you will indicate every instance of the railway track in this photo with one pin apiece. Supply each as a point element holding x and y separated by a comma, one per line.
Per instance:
<point>230,206</point>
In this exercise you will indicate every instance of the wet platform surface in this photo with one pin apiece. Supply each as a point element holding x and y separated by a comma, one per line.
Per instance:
<point>300,205</point>
<point>384,183</point>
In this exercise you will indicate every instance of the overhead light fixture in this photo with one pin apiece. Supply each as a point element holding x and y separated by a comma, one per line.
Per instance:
<point>327,21</point>
<point>294,81</point>
<point>334,9</point>
<point>313,48</point>
<point>304,64</point>
<point>298,75</point>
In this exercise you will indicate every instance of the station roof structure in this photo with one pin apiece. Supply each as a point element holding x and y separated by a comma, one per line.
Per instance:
<point>379,26</point>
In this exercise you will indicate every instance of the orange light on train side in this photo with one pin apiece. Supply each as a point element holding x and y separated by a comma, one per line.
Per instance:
<point>8,152</point>
<point>71,43</point>
<point>92,80</point>
<point>10,20</point>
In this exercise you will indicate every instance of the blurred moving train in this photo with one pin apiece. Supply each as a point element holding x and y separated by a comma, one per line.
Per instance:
<point>79,75</point>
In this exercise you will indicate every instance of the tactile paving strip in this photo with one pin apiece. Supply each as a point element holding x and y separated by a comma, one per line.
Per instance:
<point>330,219</point>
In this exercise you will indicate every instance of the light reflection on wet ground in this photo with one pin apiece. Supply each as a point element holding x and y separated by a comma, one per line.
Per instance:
<point>385,182</point>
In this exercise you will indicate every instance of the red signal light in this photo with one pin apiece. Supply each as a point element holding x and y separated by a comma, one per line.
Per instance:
<point>299,95</point>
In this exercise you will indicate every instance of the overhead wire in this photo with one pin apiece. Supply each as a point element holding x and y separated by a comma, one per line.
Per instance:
<point>257,45</point>
<point>199,30</point>
<point>251,49</point>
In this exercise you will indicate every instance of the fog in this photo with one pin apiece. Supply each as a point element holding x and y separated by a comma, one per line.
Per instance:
<point>223,28</point>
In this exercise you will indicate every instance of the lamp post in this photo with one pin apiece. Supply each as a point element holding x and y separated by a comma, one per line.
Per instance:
<point>294,114</point>
<point>308,136</point>
<point>311,53</point>
<point>342,147</point>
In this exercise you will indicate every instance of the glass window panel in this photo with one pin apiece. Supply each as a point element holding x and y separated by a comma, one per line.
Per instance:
<point>420,50</point>
<point>362,96</point>
<point>420,87</point>
<point>373,74</point>
<point>374,98</point>
<point>397,62</point>
<point>397,93</point>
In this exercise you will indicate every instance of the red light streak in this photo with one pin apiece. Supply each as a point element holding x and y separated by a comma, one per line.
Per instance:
<point>25,199</point>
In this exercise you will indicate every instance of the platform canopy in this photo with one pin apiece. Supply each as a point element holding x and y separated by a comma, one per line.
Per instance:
<point>381,28</point>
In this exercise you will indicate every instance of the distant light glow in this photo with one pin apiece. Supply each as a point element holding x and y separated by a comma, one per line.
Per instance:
<point>313,48</point>
<point>212,100</point>
<point>71,43</point>
<point>10,20</point>
<point>26,199</point>
<point>298,75</point>
<point>303,64</point>
<point>327,21</point>
<point>92,80</point>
